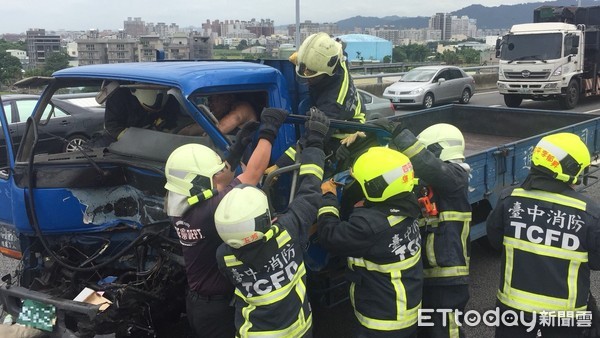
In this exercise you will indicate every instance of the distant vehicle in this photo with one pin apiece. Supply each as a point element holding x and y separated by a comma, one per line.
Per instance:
<point>376,107</point>
<point>429,85</point>
<point>64,126</point>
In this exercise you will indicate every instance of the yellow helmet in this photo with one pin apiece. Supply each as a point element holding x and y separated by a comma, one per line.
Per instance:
<point>444,140</point>
<point>318,54</point>
<point>382,173</point>
<point>243,216</point>
<point>562,155</point>
<point>152,100</point>
<point>190,169</point>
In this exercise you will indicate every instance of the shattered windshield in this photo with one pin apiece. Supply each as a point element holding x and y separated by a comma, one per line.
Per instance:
<point>532,47</point>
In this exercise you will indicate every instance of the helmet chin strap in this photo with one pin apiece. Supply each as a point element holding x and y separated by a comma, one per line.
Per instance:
<point>203,196</point>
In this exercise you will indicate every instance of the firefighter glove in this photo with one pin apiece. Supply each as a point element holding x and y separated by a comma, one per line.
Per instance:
<point>242,139</point>
<point>271,119</point>
<point>317,127</point>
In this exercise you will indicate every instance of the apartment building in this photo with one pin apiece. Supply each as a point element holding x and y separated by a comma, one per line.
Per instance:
<point>40,46</point>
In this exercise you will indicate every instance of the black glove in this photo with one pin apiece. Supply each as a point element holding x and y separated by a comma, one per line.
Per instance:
<point>342,153</point>
<point>316,128</point>
<point>242,139</point>
<point>270,121</point>
<point>392,127</point>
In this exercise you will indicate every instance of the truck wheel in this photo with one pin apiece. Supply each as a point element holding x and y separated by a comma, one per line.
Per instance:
<point>428,101</point>
<point>512,101</point>
<point>571,98</point>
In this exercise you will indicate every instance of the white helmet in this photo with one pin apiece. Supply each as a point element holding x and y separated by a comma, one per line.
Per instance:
<point>318,54</point>
<point>445,141</point>
<point>152,100</point>
<point>243,216</point>
<point>190,170</point>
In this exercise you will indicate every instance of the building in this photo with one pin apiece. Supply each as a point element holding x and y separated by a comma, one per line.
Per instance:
<point>464,26</point>
<point>21,55</point>
<point>177,47</point>
<point>443,22</point>
<point>366,48</point>
<point>201,47</point>
<point>134,27</point>
<point>93,49</point>
<point>148,46</point>
<point>40,46</point>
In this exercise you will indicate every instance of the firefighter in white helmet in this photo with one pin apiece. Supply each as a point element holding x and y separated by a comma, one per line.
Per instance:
<point>197,179</point>
<point>139,106</point>
<point>437,155</point>
<point>550,236</point>
<point>382,243</point>
<point>320,60</point>
<point>263,257</point>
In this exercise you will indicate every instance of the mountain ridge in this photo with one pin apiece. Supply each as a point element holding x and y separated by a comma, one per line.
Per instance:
<point>495,17</point>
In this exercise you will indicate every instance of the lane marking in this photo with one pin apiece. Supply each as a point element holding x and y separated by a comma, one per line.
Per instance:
<point>591,111</point>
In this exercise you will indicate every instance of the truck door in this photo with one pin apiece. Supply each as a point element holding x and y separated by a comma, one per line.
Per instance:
<point>8,237</point>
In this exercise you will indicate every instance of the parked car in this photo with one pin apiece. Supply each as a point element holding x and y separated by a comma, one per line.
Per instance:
<point>429,85</point>
<point>376,107</point>
<point>64,127</point>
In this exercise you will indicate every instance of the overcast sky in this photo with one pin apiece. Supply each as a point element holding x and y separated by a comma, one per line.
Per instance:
<point>20,15</point>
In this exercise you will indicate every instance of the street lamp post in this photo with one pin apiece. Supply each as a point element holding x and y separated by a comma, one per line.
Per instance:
<point>297,37</point>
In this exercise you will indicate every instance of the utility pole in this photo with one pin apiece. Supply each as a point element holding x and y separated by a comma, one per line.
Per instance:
<point>297,37</point>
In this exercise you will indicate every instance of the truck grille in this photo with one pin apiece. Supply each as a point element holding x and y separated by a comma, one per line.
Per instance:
<point>523,75</point>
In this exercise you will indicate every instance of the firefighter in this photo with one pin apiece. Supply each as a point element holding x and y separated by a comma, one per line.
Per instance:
<point>263,257</point>
<point>550,238</point>
<point>197,179</point>
<point>382,244</point>
<point>437,155</point>
<point>320,60</point>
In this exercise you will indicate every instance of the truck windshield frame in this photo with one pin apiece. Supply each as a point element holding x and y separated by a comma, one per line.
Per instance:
<point>524,47</point>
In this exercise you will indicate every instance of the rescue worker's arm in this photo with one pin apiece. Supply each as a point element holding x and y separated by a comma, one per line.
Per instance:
<point>272,119</point>
<point>302,212</point>
<point>427,166</point>
<point>495,223</point>
<point>240,114</point>
<point>351,238</point>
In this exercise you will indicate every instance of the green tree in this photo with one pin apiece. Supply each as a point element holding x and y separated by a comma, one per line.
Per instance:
<point>242,45</point>
<point>10,68</point>
<point>387,59</point>
<point>56,61</point>
<point>450,57</point>
<point>4,45</point>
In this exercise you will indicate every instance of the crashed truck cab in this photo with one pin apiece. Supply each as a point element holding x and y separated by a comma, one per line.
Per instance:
<point>94,218</point>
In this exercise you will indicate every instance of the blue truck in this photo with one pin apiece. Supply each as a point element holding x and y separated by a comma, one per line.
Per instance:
<point>94,218</point>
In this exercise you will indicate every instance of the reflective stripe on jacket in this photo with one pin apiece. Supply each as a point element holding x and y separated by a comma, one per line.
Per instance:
<point>548,239</point>
<point>384,263</point>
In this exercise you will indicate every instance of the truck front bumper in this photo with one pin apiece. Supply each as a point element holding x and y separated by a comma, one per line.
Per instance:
<point>529,88</point>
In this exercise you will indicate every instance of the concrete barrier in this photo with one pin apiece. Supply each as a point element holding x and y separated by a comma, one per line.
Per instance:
<point>482,82</point>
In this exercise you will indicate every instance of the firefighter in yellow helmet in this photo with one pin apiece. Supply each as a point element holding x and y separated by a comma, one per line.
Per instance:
<point>437,155</point>
<point>262,257</point>
<point>550,235</point>
<point>382,244</point>
<point>320,60</point>
<point>197,179</point>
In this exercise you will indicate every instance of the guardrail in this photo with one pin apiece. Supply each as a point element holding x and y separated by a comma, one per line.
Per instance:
<point>380,76</point>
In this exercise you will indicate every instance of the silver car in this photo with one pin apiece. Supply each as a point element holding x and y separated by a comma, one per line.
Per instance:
<point>429,85</point>
<point>375,106</point>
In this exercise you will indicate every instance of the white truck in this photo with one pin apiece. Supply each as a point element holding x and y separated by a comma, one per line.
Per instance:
<point>555,58</point>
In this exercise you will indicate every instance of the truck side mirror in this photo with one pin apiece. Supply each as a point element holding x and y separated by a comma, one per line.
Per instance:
<point>498,43</point>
